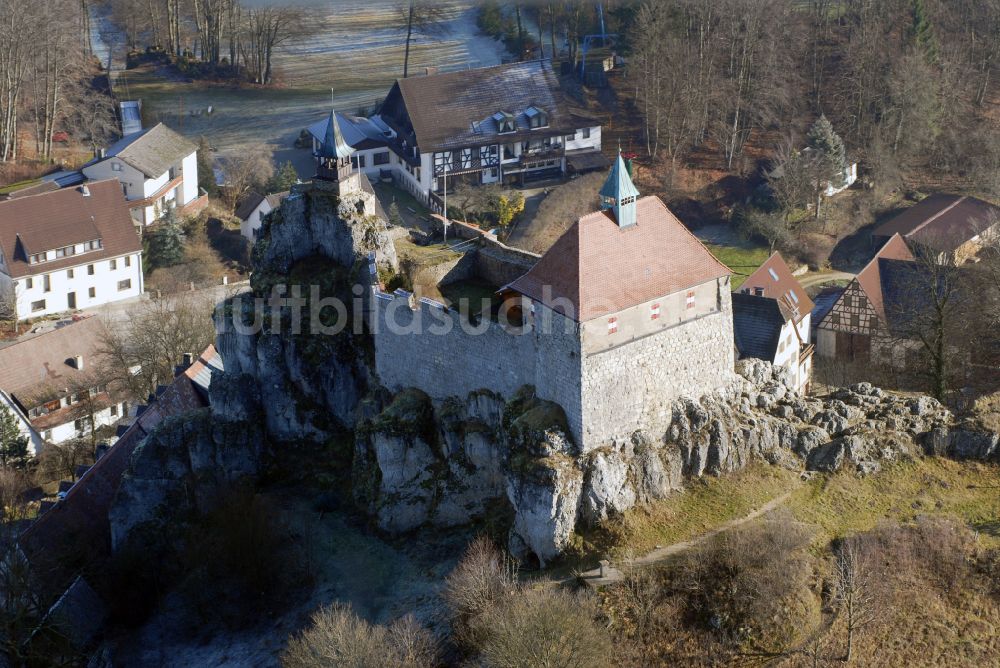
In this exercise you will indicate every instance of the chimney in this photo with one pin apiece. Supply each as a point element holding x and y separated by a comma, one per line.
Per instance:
<point>188,359</point>
<point>85,191</point>
<point>78,362</point>
<point>102,153</point>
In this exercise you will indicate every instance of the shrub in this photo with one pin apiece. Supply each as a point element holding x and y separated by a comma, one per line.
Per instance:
<point>339,638</point>
<point>483,580</point>
<point>545,627</point>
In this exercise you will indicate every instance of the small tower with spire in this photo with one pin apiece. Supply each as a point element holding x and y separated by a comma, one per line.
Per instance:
<point>333,159</point>
<point>620,194</point>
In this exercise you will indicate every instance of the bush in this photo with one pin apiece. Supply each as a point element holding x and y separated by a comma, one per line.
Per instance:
<point>339,638</point>
<point>545,627</point>
<point>483,580</point>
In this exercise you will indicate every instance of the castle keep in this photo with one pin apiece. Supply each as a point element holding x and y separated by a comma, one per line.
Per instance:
<point>626,312</point>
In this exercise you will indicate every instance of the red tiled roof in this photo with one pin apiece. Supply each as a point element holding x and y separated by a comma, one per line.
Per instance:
<point>779,285</point>
<point>870,278</point>
<point>52,220</point>
<point>597,267</point>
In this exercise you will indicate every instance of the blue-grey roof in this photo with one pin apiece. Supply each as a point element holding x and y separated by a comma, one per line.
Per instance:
<point>823,303</point>
<point>619,184</point>
<point>333,145</point>
<point>66,178</point>
<point>359,133</point>
<point>757,323</point>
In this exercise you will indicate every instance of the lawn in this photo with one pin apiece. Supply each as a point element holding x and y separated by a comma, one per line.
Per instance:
<point>743,260</point>
<point>425,256</point>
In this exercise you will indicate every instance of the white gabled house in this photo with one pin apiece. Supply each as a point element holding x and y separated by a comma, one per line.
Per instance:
<point>252,210</point>
<point>56,384</point>
<point>67,250</point>
<point>157,169</point>
<point>772,317</point>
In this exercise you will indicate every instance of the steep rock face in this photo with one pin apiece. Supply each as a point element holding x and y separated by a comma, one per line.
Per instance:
<point>423,464</point>
<point>182,466</point>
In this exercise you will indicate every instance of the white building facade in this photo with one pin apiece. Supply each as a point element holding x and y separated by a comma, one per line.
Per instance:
<point>157,168</point>
<point>68,250</point>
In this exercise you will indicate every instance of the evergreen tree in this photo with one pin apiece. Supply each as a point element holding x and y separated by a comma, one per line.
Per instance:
<point>923,32</point>
<point>166,243</point>
<point>206,175</point>
<point>13,444</point>
<point>827,160</point>
<point>283,179</point>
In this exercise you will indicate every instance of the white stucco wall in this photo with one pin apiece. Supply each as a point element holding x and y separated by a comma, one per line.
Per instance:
<point>35,442</point>
<point>189,188</point>
<point>255,220</point>
<point>579,142</point>
<point>67,431</point>
<point>104,281</point>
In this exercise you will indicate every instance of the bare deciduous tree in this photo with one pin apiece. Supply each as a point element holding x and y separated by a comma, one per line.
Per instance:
<point>856,586</point>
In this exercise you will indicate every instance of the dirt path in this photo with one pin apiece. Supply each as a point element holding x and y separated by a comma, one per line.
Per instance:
<point>824,277</point>
<point>611,575</point>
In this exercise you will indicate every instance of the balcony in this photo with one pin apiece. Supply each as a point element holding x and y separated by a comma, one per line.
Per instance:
<point>545,153</point>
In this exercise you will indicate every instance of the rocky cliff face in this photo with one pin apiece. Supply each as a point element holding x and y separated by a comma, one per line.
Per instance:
<point>423,463</point>
<point>443,465</point>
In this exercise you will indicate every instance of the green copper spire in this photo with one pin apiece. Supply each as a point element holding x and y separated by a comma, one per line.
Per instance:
<point>620,194</point>
<point>333,145</point>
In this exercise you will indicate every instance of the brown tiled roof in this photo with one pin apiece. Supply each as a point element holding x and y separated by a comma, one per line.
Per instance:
<point>775,279</point>
<point>76,530</point>
<point>443,107</point>
<point>870,278</point>
<point>601,268</point>
<point>39,365</point>
<point>942,221</point>
<point>52,220</point>
<point>33,189</point>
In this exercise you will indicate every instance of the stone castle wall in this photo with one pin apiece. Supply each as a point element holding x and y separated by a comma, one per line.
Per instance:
<point>432,348</point>
<point>633,386</point>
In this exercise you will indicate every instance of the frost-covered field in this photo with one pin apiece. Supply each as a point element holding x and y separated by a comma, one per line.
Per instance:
<point>353,54</point>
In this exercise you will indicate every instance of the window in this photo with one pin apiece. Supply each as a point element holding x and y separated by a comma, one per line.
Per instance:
<point>114,410</point>
<point>29,283</point>
<point>69,273</point>
<point>381,158</point>
<point>689,301</point>
<point>569,138</point>
<point>654,312</point>
<point>116,166</point>
<point>35,259</point>
<point>92,292</point>
<point>93,245</point>
<point>854,321</point>
<point>835,319</point>
<point>612,325</point>
<point>90,270</point>
<point>38,306</point>
<point>128,260</point>
<point>585,133</point>
<point>359,161</point>
<point>46,283</point>
<point>113,264</point>
<point>125,285</point>
<point>758,292</point>
<point>80,424</point>
<point>47,434</point>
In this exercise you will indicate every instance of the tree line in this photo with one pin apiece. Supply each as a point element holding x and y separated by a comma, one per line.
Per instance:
<point>904,82</point>
<point>219,37</point>
<point>47,78</point>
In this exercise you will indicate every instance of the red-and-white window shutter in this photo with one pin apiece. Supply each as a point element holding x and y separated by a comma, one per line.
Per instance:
<point>689,302</point>
<point>654,311</point>
<point>612,325</point>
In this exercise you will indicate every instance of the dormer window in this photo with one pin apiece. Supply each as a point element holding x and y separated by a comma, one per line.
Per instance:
<point>536,118</point>
<point>505,121</point>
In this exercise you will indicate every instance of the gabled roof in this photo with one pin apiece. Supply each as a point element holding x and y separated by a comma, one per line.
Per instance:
<point>774,279</point>
<point>942,221</point>
<point>254,199</point>
<point>152,151</point>
<point>332,145</point>
<point>41,363</point>
<point>52,220</point>
<point>596,267</point>
<point>825,301</point>
<point>870,278</point>
<point>456,109</point>
<point>757,323</point>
